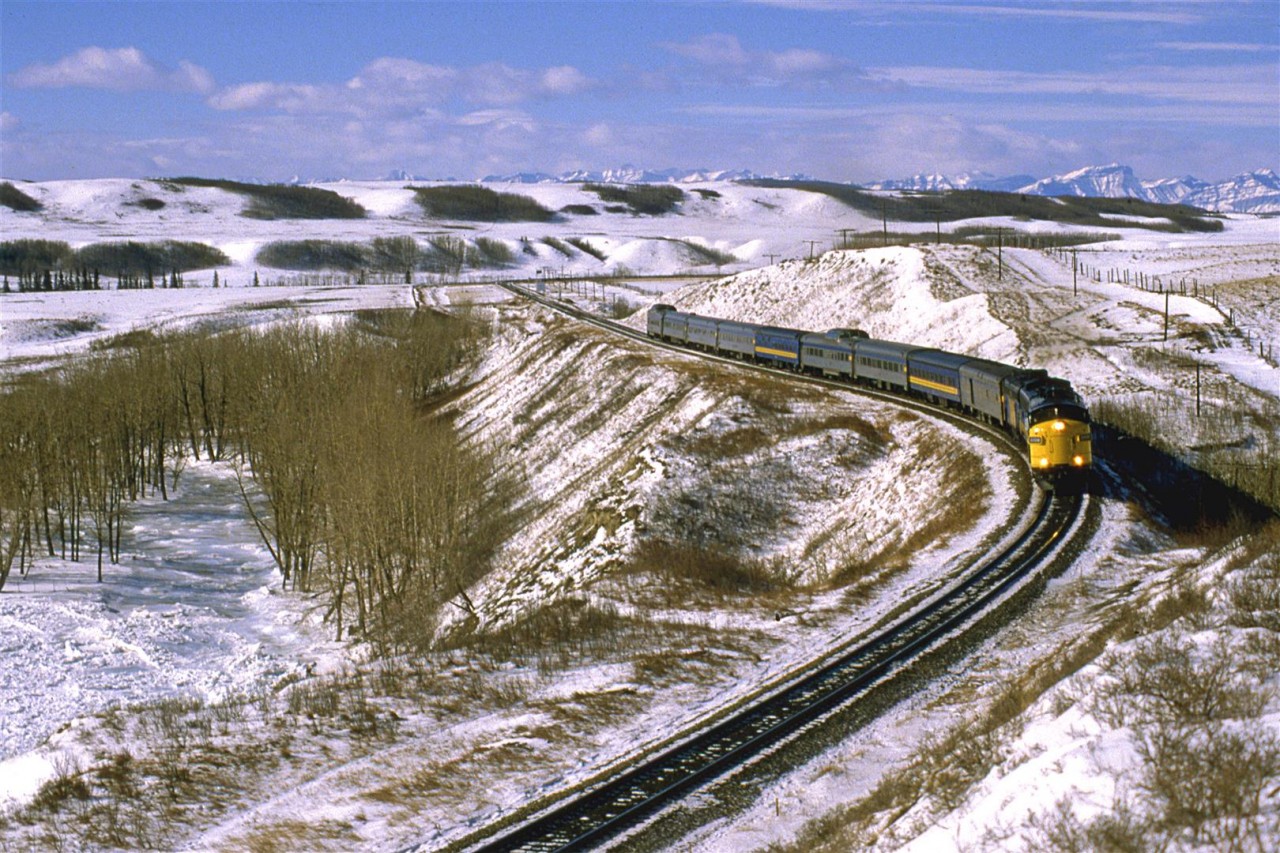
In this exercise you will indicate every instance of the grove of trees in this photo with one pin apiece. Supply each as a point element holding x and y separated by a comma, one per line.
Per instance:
<point>359,492</point>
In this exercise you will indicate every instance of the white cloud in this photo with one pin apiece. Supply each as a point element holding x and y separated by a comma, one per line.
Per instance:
<point>725,59</point>
<point>599,135</point>
<point>285,97</point>
<point>1217,47</point>
<point>499,119</point>
<point>564,80</point>
<point>719,49</point>
<point>124,69</point>
<point>1241,84</point>
<point>393,86</point>
<point>1106,11</point>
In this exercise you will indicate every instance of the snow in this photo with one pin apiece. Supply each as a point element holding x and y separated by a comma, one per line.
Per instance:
<point>194,609</point>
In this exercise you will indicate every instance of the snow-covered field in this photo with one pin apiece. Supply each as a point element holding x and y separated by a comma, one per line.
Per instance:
<point>625,446</point>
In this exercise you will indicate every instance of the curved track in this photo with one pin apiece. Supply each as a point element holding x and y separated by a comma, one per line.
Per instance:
<point>604,812</point>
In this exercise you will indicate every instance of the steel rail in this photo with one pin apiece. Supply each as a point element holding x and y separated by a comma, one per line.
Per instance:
<point>603,812</point>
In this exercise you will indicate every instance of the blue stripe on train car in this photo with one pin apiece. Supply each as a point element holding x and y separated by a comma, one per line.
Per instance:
<point>936,373</point>
<point>780,345</point>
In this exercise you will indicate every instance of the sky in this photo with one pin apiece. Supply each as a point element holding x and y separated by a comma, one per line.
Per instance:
<point>843,90</point>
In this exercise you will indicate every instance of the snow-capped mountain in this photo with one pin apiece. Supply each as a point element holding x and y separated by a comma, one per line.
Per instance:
<point>963,181</point>
<point>1111,181</point>
<point>403,175</point>
<point>521,177</point>
<point>630,175</point>
<point>1173,190</point>
<point>1252,192</point>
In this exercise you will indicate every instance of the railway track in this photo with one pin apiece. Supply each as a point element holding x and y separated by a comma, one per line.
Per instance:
<point>594,817</point>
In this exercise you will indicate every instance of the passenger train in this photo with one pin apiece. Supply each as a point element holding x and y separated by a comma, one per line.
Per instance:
<point>1045,411</point>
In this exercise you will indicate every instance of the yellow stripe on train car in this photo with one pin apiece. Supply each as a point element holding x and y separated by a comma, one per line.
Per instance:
<point>934,386</point>
<point>778,352</point>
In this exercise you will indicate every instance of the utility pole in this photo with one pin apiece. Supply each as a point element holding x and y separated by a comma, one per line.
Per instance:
<point>771,256</point>
<point>1166,315</point>
<point>1075,274</point>
<point>812,243</point>
<point>999,254</point>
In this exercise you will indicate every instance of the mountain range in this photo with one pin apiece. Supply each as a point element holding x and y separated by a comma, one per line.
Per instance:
<point>1251,192</point>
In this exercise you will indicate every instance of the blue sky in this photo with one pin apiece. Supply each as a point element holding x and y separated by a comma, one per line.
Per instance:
<point>848,91</point>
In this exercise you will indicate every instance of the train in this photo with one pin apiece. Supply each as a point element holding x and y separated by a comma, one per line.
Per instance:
<point>1042,410</point>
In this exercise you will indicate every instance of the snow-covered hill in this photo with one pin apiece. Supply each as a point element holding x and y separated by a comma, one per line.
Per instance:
<point>717,227</point>
<point>609,432</point>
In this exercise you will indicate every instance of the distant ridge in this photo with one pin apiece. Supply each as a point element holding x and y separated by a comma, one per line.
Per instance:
<point>633,175</point>
<point>1251,192</point>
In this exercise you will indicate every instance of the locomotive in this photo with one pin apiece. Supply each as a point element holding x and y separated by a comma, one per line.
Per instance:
<point>1045,411</point>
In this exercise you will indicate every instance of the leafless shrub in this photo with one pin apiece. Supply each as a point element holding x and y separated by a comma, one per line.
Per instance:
<point>619,308</point>
<point>317,697</point>
<point>170,765</point>
<point>1254,599</point>
<point>231,711</point>
<point>1231,437</point>
<point>118,775</point>
<point>1185,601</point>
<point>952,762</point>
<point>172,718</point>
<point>67,784</point>
<point>1210,781</point>
<point>1119,831</point>
<point>1170,680</point>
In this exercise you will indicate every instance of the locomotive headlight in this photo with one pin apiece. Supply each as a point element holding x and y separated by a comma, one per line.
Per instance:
<point>1044,462</point>
<point>1077,460</point>
<point>1059,426</point>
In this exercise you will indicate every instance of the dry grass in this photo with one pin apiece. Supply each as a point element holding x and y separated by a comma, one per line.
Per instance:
<point>289,835</point>
<point>680,571</point>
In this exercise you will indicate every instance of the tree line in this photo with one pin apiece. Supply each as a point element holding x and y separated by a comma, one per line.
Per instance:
<point>49,265</point>
<point>358,492</point>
